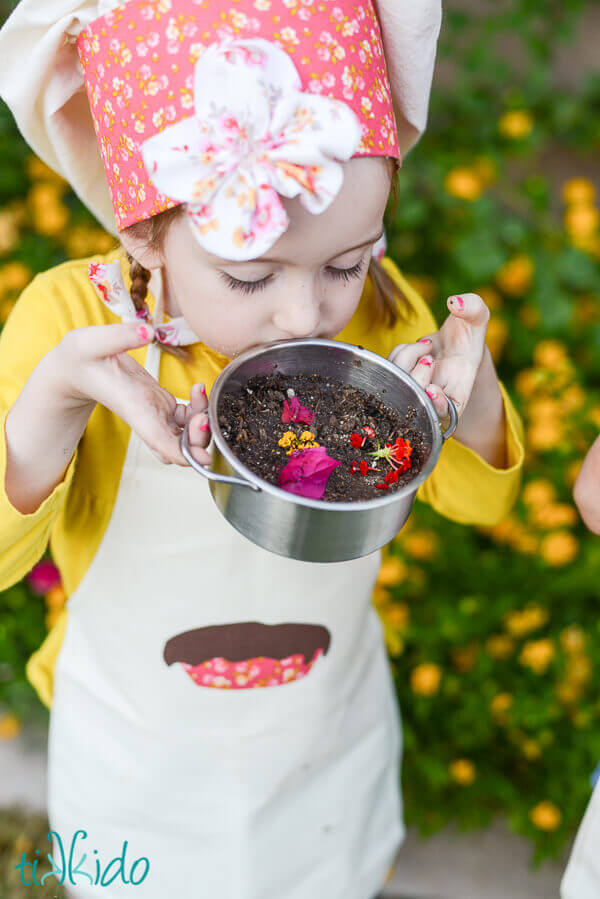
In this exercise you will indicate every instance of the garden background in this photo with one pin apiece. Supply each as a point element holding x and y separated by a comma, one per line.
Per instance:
<point>493,635</point>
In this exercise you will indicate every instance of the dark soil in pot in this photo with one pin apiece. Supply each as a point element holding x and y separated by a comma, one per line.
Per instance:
<point>324,413</point>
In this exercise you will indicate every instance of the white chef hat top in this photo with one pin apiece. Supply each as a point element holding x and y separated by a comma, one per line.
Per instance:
<point>41,81</point>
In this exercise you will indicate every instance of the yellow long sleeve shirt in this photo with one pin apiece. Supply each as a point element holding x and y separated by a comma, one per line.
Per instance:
<point>73,518</point>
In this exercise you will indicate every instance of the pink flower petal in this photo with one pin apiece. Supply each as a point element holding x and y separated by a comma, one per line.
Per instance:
<point>43,577</point>
<point>307,472</point>
<point>296,412</point>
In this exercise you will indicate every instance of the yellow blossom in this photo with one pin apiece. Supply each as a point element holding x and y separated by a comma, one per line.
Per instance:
<point>421,545</point>
<point>545,409</point>
<point>500,705</point>
<point>425,679</point>
<point>581,220</point>
<point>15,275</point>
<point>578,190</point>
<point>587,309</point>
<point>392,571</point>
<point>307,435</point>
<point>393,641</point>
<point>490,297</point>
<point>56,597</point>
<point>6,307</point>
<point>526,544</point>
<point>416,577</point>
<point>537,655</point>
<point>464,183</point>
<point>545,815</point>
<point>554,515</point>
<point>462,771</point>
<point>572,471</point>
<point>287,438</point>
<point>516,276</point>
<point>572,398</point>
<point>550,354</point>
<point>497,333</point>
<point>579,669</point>
<point>559,548</point>
<point>9,726</point>
<point>9,232</point>
<point>568,693</point>
<point>49,214</point>
<point>499,646</point>
<point>516,124</point>
<point>397,615</point>
<point>528,381</point>
<point>486,169</point>
<point>531,749</point>
<point>380,596</point>
<point>572,639</point>
<point>519,623</point>
<point>538,493</point>
<point>39,171</point>
<point>545,435</point>
<point>594,415</point>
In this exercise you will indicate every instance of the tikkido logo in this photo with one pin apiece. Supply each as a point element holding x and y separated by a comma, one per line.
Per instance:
<point>103,875</point>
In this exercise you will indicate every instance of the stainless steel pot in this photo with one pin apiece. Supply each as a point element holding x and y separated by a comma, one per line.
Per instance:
<point>308,529</point>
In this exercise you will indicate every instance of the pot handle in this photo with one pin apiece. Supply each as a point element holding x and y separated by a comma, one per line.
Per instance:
<point>204,470</point>
<point>453,419</point>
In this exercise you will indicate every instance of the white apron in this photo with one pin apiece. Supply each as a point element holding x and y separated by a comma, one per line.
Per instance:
<point>581,879</point>
<point>285,790</point>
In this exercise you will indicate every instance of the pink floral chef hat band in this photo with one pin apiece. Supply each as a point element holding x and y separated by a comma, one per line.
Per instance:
<point>228,106</point>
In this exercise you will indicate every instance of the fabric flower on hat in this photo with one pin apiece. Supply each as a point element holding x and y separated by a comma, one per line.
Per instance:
<point>254,135</point>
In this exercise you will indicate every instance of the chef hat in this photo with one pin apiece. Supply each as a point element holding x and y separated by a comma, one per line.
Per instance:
<point>146,65</point>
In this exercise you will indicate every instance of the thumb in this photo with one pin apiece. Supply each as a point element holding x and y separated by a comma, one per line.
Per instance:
<point>112,339</point>
<point>470,308</point>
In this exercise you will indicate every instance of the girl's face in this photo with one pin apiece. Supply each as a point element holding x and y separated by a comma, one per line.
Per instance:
<point>307,285</point>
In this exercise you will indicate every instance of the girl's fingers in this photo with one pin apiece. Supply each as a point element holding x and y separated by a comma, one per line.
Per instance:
<point>436,395</point>
<point>422,372</point>
<point>470,308</point>
<point>406,355</point>
<point>98,341</point>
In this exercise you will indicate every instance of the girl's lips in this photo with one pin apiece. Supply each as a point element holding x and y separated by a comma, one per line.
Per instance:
<point>248,653</point>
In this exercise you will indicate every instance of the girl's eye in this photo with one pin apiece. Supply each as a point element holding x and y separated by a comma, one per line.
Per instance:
<point>252,286</point>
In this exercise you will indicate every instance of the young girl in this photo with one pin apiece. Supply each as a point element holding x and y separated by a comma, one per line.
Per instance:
<point>223,719</point>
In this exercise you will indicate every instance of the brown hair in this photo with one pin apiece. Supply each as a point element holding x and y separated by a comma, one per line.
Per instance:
<point>389,301</point>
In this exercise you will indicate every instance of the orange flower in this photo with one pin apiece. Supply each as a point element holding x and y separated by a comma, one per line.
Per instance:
<point>516,276</point>
<point>537,655</point>
<point>559,548</point>
<point>516,124</point>
<point>464,183</point>
<point>425,679</point>
<point>462,771</point>
<point>545,815</point>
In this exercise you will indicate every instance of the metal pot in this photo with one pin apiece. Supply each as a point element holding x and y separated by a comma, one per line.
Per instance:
<point>294,526</point>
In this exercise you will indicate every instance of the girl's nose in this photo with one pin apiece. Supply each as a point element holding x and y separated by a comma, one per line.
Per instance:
<point>299,313</point>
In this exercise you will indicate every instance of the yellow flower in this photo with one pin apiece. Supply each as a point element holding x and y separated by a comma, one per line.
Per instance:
<point>393,641</point>
<point>421,545</point>
<point>84,241</point>
<point>9,231</point>
<point>380,596</point>
<point>49,214</point>
<point>56,597</point>
<point>397,615</point>
<point>490,297</point>
<point>594,416</point>
<point>425,679</point>
<point>516,125</point>
<point>15,275</point>
<point>550,354</point>
<point>581,220</point>
<point>486,169</point>
<point>559,548</point>
<point>572,398</point>
<point>500,705</point>
<point>288,438</point>
<point>572,639</point>
<point>572,472</point>
<point>464,183</point>
<point>497,333</point>
<point>554,515</point>
<point>499,646</point>
<point>526,544</point>
<point>392,571</point>
<point>568,693</point>
<point>6,307</point>
<point>537,655</point>
<point>531,749</point>
<point>39,171</point>
<point>578,190</point>
<point>545,435</point>
<point>516,276</point>
<point>9,727</point>
<point>528,381</point>
<point>462,771</point>
<point>538,493</point>
<point>519,623</point>
<point>307,435</point>
<point>545,815</point>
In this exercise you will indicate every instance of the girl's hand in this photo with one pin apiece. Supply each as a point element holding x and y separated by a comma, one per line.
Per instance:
<point>448,360</point>
<point>93,367</point>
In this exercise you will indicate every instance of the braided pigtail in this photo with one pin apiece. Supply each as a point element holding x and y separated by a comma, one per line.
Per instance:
<point>140,277</point>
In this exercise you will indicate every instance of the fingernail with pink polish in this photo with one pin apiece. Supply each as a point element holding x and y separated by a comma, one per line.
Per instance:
<point>424,340</point>
<point>430,393</point>
<point>426,360</point>
<point>143,332</point>
<point>460,301</point>
<point>204,389</point>
<point>205,426</point>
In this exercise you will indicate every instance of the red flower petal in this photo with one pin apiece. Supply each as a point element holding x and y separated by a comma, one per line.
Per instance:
<point>356,440</point>
<point>296,412</point>
<point>364,467</point>
<point>381,486</point>
<point>354,467</point>
<point>369,430</point>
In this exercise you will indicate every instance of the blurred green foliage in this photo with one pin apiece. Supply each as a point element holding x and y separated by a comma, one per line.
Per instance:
<point>493,636</point>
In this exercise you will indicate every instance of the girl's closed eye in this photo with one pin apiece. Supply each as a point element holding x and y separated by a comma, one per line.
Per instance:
<point>251,286</point>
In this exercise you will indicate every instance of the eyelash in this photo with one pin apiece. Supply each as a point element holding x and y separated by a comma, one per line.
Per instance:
<point>345,274</point>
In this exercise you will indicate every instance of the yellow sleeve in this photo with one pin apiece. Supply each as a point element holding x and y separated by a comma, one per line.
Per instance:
<point>36,324</point>
<point>463,486</point>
